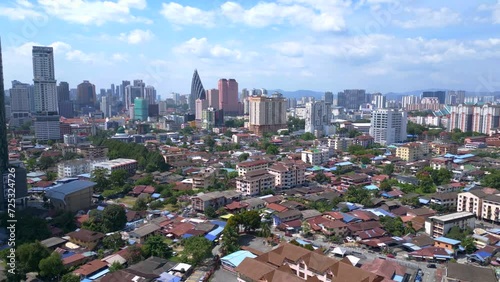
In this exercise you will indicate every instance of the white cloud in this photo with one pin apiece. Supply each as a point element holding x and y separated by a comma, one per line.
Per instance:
<point>119,57</point>
<point>94,12</point>
<point>187,15</point>
<point>136,36</point>
<point>203,49</point>
<point>21,11</point>
<point>425,17</point>
<point>289,48</point>
<point>267,13</point>
<point>495,13</point>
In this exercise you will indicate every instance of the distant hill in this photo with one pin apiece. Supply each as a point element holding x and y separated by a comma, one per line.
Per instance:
<point>298,93</point>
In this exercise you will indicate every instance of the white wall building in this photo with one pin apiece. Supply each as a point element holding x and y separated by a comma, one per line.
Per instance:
<point>73,168</point>
<point>254,182</point>
<point>438,226</point>
<point>129,165</point>
<point>318,118</point>
<point>388,126</point>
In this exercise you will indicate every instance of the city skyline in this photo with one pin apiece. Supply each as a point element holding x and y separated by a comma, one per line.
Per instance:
<point>392,46</point>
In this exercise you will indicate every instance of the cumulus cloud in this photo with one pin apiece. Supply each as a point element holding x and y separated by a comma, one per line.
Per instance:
<point>425,17</point>
<point>201,48</point>
<point>186,15</point>
<point>136,36</point>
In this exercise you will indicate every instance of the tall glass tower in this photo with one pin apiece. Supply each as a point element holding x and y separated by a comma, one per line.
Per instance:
<point>197,91</point>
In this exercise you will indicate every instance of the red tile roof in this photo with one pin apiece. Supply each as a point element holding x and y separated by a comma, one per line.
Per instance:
<point>276,207</point>
<point>90,267</point>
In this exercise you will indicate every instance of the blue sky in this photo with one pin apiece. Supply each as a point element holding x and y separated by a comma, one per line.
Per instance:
<point>323,45</point>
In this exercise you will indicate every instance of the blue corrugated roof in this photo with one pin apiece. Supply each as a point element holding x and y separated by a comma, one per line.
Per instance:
<point>371,187</point>
<point>344,163</point>
<point>61,191</point>
<point>167,277</point>
<point>99,274</point>
<point>348,218</point>
<point>155,195</point>
<point>236,258</point>
<point>447,240</point>
<point>218,222</point>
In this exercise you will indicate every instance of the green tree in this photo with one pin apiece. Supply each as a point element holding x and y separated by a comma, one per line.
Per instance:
<point>492,179</point>
<point>32,228</point>
<point>29,256</point>
<point>113,241</point>
<point>272,150</point>
<point>136,254</point>
<point>388,169</point>
<point>243,157</point>
<point>118,177</point>
<point>196,249</point>
<point>51,176</point>
<point>114,218</point>
<point>115,266</point>
<point>70,277</point>
<point>307,136</point>
<point>156,246</point>
<point>385,185</point>
<point>46,162</point>
<point>100,177</point>
<point>140,204</point>
<point>265,229</point>
<point>51,267</point>
<point>230,239</point>
<point>365,160</point>
<point>468,244</point>
<point>210,212</point>
<point>31,164</point>
<point>320,177</point>
<point>249,219</point>
<point>65,221</point>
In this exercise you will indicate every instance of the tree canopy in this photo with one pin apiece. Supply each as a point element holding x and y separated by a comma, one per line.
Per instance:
<point>51,268</point>
<point>112,218</point>
<point>196,249</point>
<point>156,246</point>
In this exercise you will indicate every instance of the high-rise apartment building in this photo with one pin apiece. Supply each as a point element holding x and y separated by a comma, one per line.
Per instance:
<point>406,101</point>
<point>45,88</point>
<point>201,104</point>
<point>318,116</point>
<point>351,98</point>
<point>328,98</point>
<point>213,98</point>
<point>455,98</point>
<point>441,95</point>
<point>378,100</point>
<point>20,102</point>
<point>244,94</point>
<point>474,118</point>
<point>211,118</point>
<point>86,95</point>
<point>140,109</point>
<point>267,114</point>
<point>388,126</point>
<point>197,91</point>
<point>228,96</point>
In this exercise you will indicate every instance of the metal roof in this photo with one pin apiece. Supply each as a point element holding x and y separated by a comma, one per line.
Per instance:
<point>60,192</point>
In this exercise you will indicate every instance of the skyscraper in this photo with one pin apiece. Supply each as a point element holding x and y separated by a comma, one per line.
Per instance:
<point>150,94</point>
<point>86,96</point>
<point>125,83</point>
<point>4,153</point>
<point>197,91</point>
<point>267,114</point>
<point>132,92</point>
<point>351,98</point>
<point>378,100</point>
<point>244,94</point>
<point>228,96</point>
<point>63,91</point>
<point>455,97</point>
<point>213,98</point>
<point>441,95</point>
<point>318,118</point>
<point>44,80</point>
<point>140,109</point>
<point>200,106</point>
<point>106,106</point>
<point>328,98</point>
<point>388,126</point>
<point>20,103</point>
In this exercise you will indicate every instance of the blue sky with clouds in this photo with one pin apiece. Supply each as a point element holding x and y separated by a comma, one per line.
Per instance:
<point>323,45</point>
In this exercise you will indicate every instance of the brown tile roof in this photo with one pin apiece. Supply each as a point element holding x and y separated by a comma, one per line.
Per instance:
<point>291,252</point>
<point>252,163</point>
<point>85,235</point>
<point>90,267</point>
<point>122,276</point>
<point>73,258</point>
<point>384,268</point>
<point>276,207</point>
<point>318,262</point>
<point>253,269</point>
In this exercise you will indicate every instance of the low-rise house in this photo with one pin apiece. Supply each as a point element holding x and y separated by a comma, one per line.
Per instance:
<point>447,243</point>
<point>142,233</point>
<point>285,216</point>
<point>214,199</point>
<point>86,238</point>
<point>359,179</point>
<point>254,203</point>
<point>53,242</point>
<point>72,196</point>
<point>424,212</point>
<point>91,268</point>
<point>466,272</point>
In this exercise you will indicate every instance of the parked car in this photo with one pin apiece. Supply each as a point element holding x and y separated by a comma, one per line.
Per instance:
<point>391,256</point>
<point>431,265</point>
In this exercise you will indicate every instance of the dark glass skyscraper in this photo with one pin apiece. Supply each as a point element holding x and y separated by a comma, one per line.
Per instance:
<point>4,154</point>
<point>197,91</point>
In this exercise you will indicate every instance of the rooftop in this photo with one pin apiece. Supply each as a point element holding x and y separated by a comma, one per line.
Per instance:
<point>453,216</point>
<point>61,191</point>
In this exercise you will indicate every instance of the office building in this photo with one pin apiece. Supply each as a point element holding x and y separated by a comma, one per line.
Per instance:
<point>318,118</point>
<point>351,98</point>
<point>455,98</point>
<point>20,103</point>
<point>378,100</point>
<point>45,88</point>
<point>201,104</point>
<point>86,95</point>
<point>388,126</point>
<point>63,91</point>
<point>47,127</point>
<point>140,109</point>
<point>150,94</point>
<point>439,226</point>
<point>441,95</point>
<point>197,91</point>
<point>474,118</point>
<point>328,98</point>
<point>244,94</point>
<point>66,109</point>
<point>125,83</point>
<point>213,98</point>
<point>106,106</point>
<point>267,114</point>
<point>131,93</point>
<point>228,96</point>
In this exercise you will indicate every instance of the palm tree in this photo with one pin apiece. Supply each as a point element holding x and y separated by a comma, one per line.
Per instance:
<point>265,229</point>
